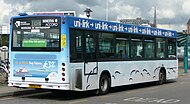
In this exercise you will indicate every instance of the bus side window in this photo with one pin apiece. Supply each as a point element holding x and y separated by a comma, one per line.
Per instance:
<point>149,47</point>
<point>171,48</point>
<point>136,48</point>
<point>75,45</point>
<point>106,45</point>
<point>160,53</point>
<point>122,46</point>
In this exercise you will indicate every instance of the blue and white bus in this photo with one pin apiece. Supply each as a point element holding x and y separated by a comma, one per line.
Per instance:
<point>71,53</point>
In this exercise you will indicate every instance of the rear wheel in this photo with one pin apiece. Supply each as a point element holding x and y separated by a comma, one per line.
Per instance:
<point>104,84</point>
<point>162,77</point>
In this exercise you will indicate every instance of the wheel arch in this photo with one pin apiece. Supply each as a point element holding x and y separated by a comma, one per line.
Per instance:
<point>164,70</point>
<point>105,76</point>
<point>162,76</point>
<point>107,73</point>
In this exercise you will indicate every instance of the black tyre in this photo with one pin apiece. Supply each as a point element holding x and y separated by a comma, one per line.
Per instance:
<point>104,84</point>
<point>162,77</point>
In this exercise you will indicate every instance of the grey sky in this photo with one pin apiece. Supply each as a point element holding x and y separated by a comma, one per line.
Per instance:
<point>171,14</point>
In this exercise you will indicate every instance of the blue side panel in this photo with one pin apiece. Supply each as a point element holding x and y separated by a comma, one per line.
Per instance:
<point>65,49</point>
<point>90,24</point>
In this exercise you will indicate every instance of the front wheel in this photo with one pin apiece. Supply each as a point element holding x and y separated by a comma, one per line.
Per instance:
<point>104,84</point>
<point>162,77</point>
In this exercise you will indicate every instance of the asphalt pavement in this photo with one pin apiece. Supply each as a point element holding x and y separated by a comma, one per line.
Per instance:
<point>5,90</point>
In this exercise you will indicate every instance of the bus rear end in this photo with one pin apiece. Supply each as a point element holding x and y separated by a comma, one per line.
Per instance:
<point>36,59</point>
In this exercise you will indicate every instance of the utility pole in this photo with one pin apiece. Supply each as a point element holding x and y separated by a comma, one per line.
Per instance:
<point>107,9</point>
<point>155,15</point>
<point>186,54</point>
<point>155,18</point>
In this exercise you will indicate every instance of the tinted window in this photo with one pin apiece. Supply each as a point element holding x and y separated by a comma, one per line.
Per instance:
<point>106,45</point>
<point>149,48</point>
<point>122,46</point>
<point>171,48</point>
<point>160,48</point>
<point>76,45</point>
<point>136,48</point>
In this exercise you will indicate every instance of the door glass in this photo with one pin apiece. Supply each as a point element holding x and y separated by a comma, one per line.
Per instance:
<point>90,45</point>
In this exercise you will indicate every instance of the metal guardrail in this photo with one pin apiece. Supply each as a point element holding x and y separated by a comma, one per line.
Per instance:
<point>4,71</point>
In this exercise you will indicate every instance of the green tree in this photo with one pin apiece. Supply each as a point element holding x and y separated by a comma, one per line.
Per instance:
<point>4,40</point>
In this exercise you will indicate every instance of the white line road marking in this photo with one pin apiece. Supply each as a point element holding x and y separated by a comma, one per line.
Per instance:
<point>152,100</point>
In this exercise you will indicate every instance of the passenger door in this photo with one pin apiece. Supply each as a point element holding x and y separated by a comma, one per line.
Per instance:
<point>91,64</point>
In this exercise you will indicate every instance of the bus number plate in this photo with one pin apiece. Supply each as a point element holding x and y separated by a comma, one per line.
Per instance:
<point>34,86</point>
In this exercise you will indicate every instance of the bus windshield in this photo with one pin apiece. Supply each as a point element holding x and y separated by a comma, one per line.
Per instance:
<point>36,34</point>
